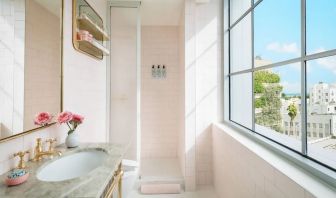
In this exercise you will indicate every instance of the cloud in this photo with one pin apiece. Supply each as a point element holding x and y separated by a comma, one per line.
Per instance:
<point>328,63</point>
<point>290,48</point>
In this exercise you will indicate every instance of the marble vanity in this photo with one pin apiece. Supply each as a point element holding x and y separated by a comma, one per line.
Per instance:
<point>100,182</point>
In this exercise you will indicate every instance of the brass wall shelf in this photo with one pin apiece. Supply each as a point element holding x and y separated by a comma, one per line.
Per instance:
<point>85,23</point>
<point>94,47</point>
<point>84,17</point>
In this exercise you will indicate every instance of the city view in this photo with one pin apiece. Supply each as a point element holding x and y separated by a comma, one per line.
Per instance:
<point>277,102</point>
<point>278,110</point>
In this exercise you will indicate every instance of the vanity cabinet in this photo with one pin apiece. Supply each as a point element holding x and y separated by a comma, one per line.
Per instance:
<point>114,187</point>
<point>100,180</point>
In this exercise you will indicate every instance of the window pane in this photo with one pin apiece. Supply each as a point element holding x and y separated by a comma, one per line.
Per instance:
<point>238,8</point>
<point>321,109</point>
<point>241,47</point>
<point>241,99</point>
<point>277,31</point>
<point>278,104</point>
<point>321,29</point>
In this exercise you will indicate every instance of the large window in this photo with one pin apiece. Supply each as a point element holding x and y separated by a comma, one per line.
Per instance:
<point>282,73</point>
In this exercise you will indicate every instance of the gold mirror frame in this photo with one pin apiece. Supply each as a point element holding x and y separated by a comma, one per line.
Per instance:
<point>61,102</point>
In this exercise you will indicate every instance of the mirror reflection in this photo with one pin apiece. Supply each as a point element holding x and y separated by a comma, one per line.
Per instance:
<point>30,62</point>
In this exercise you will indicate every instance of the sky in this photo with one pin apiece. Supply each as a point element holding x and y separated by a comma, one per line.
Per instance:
<point>277,37</point>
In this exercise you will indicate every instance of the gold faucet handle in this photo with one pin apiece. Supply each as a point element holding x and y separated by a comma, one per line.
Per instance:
<point>21,155</point>
<point>38,147</point>
<point>38,141</point>
<point>51,142</point>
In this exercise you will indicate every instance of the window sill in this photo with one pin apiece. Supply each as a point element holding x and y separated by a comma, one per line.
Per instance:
<point>317,179</point>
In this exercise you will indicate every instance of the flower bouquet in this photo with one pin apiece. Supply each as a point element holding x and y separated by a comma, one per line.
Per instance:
<point>72,121</point>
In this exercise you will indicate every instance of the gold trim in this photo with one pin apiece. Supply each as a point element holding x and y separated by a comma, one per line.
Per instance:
<point>117,182</point>
<point>74,33</point>
<point>25,133</point>
<point>62,53</point>
<point>61,102</point>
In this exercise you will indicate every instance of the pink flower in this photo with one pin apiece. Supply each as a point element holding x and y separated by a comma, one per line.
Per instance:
<point>64,117</point>
<point>42,118</point>
<point>72,120</point>
<point>77,118</point>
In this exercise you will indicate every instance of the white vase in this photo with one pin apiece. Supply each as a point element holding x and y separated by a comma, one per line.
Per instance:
<point>72,140</point>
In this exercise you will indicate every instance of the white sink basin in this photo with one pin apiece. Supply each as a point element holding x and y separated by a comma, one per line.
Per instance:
<point>72,166</point>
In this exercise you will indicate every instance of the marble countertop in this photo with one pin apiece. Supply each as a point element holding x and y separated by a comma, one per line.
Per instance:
<point>90,185</point>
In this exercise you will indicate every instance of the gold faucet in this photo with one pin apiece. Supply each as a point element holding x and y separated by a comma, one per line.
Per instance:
<point>21,155</point>
<point>39,153</point>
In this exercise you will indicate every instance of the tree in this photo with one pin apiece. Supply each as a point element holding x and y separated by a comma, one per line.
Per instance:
<point>261,77</point>
<point>292,112</point>
<point>267,89</point>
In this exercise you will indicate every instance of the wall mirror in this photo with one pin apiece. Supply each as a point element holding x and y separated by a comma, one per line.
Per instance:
<point>30,63</point>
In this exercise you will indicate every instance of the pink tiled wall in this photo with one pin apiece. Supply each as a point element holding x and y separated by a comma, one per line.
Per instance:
<point>181,137</point>
<point>85,86</point>
<point>160,98</point>
<point>240,172</point>
<point>202,68</point>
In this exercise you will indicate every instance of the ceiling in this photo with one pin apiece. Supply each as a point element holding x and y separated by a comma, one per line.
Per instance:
<point>160,12</point>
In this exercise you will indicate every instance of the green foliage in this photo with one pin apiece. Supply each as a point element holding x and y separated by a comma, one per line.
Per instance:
<point>270,105</point>
<point>260,102</point>
<point>292,111</point>
<point>266,85</point>
<point>258,87</point>
<point>261,77</point>
<point>286,97</point>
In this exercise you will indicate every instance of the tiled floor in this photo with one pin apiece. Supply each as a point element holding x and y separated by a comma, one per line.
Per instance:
<point>202,192</point>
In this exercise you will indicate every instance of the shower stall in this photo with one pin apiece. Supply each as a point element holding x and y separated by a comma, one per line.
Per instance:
<point>124,83</point>
<point>146,95</point>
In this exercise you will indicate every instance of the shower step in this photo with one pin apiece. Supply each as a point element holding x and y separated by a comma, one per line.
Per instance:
<point>160,189</point>
<point>161,180</point>
<point>161,171</point>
